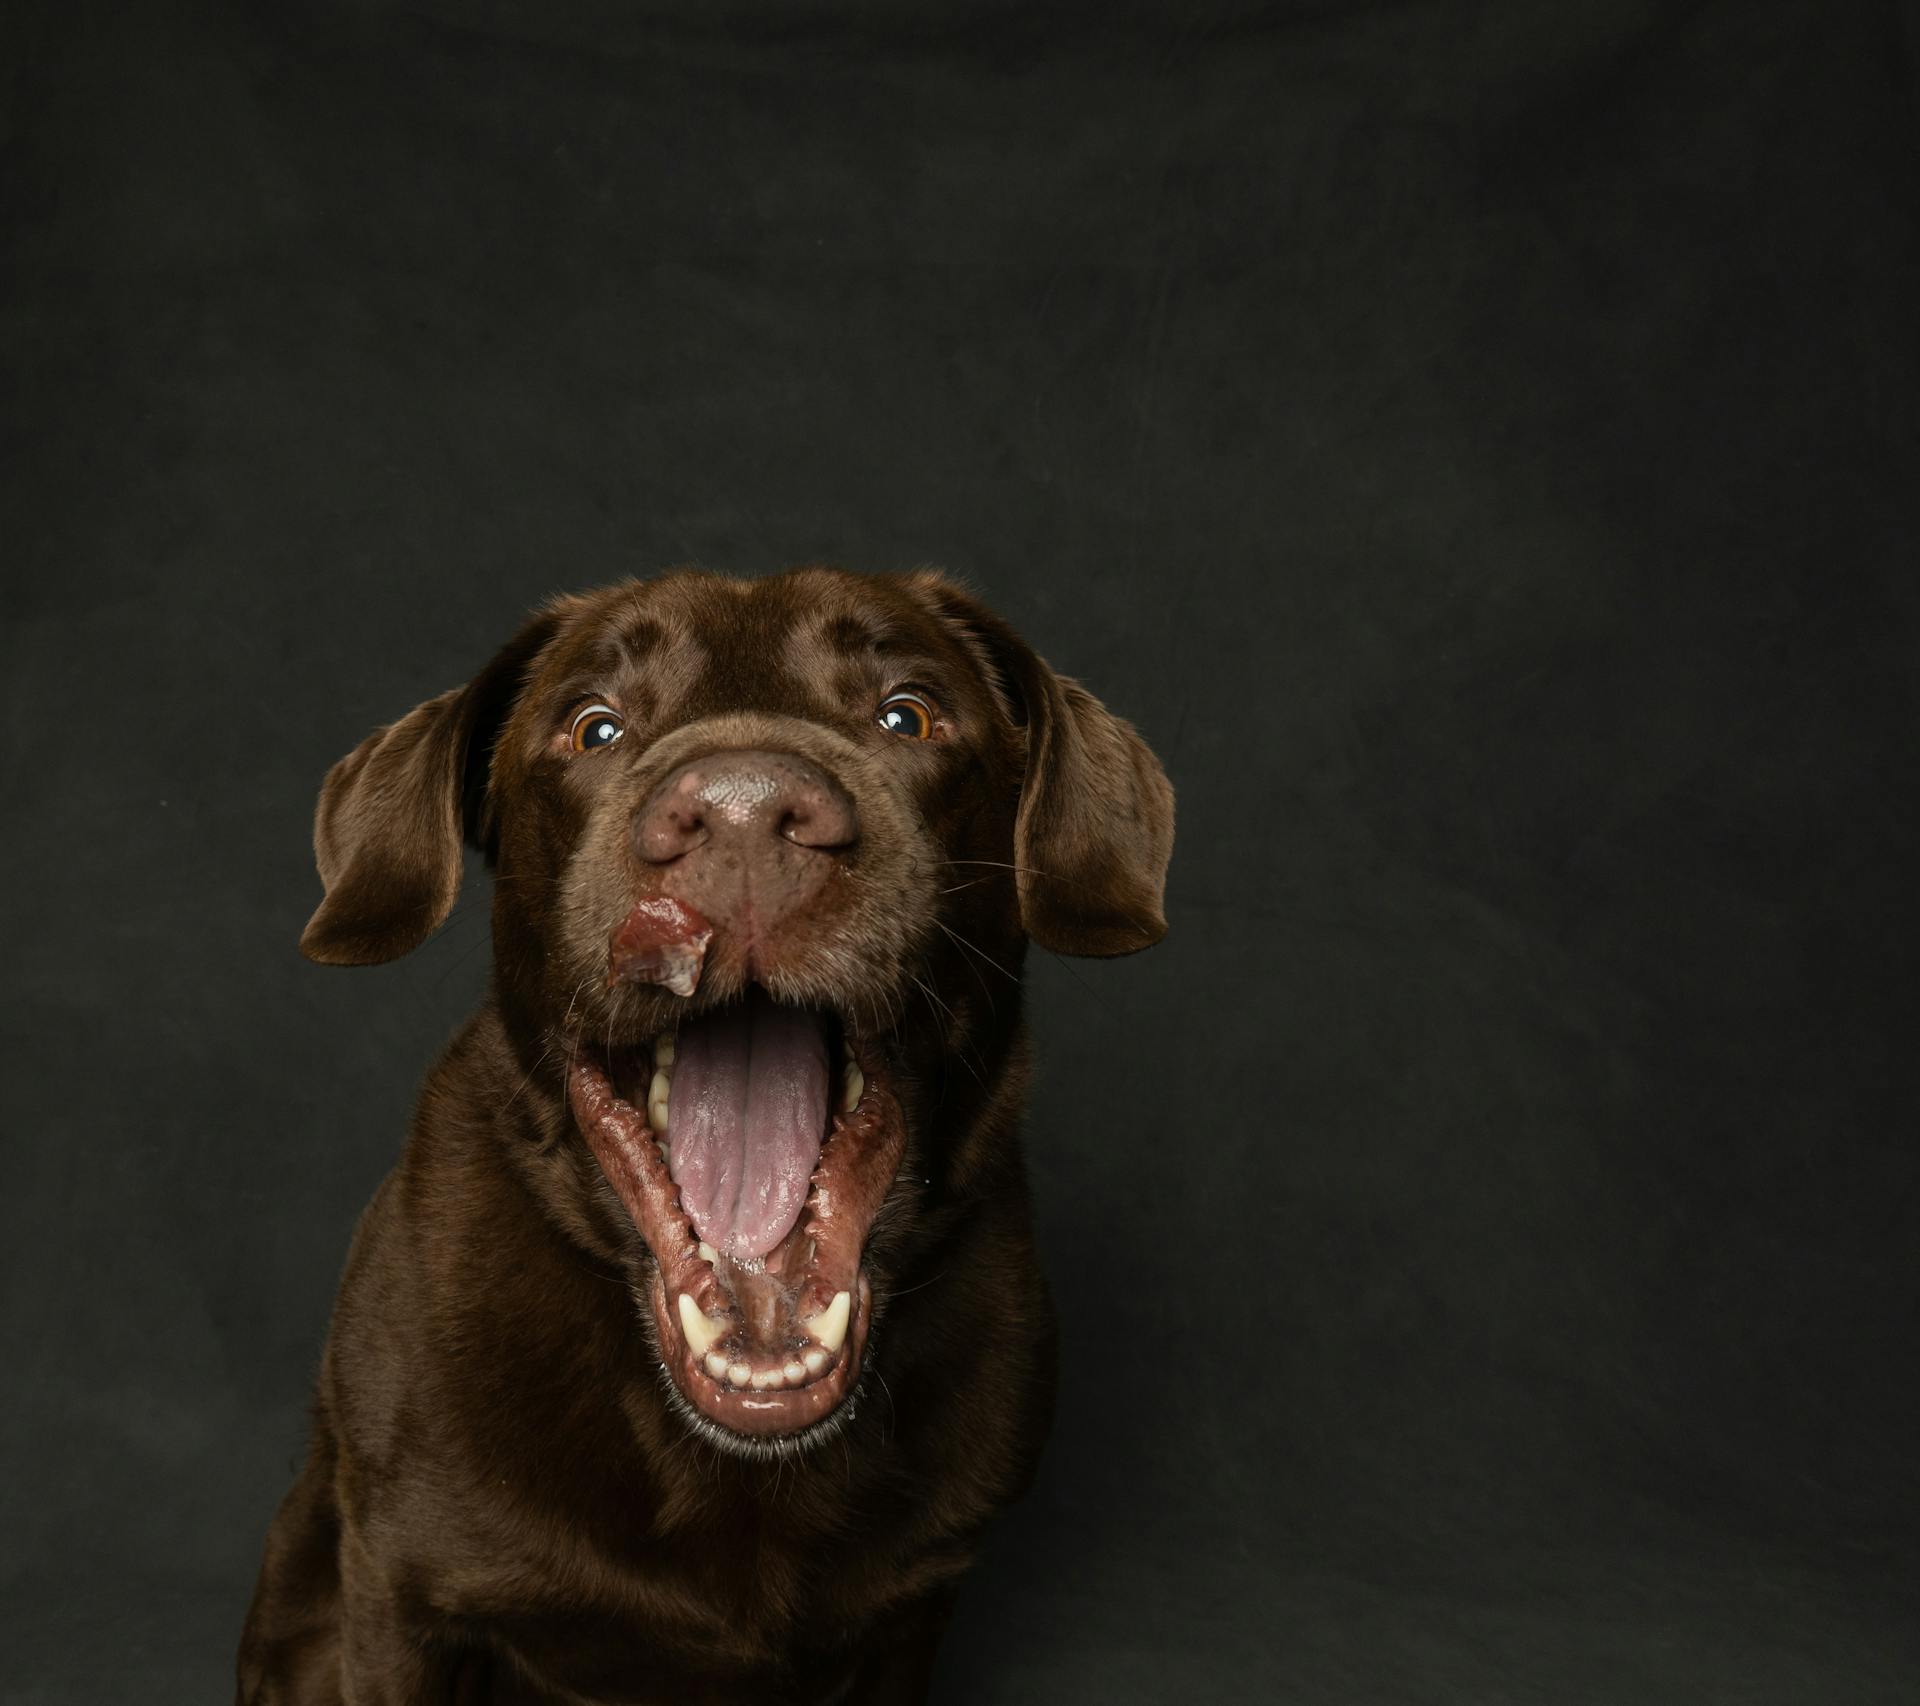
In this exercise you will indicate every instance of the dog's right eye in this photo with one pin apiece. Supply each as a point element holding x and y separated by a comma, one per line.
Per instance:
<point>907,715</point>
<point>596,726</point>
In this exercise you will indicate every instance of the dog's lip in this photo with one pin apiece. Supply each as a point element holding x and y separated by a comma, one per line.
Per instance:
<point>860,1158</point>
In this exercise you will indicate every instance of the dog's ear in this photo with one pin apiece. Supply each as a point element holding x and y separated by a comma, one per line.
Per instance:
<point>1094,830</point>
<point>394,812</point>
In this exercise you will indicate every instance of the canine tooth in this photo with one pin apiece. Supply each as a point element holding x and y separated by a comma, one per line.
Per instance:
<point>716,1365</point>
<point>856,1088</point>
<point>657,1101</point>
<point>702,1331</point>
<point>829,1327</point>
<point>815,1359</point>
<point>708,1253</point>
<point>663,1050</point>
<point>795,1373</point>
<point>738,1373</point>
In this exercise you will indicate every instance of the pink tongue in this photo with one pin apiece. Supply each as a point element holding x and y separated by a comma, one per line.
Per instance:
<point>745,1119</point>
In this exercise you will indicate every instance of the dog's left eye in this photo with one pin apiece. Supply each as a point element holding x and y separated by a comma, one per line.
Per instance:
<point>907,715</point>
<point>597,725</point>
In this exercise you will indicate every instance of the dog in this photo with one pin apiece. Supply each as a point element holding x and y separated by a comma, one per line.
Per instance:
<point>699,1332</point>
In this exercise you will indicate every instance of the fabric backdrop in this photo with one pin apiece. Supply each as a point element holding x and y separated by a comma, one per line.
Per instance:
<point>1476,443</point>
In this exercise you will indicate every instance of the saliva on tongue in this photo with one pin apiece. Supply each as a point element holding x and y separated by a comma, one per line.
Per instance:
<point>746,1120</point>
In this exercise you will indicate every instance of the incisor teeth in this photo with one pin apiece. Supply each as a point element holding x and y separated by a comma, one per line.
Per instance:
<point>663,1051</point>
<point>795,1373</point>
<point>716,1365</point>
<point>738,1374</point>
<point>767,1377</point>
<point>657,1102</point>
<point>856,1088</point>
<point>815,1359</point>
<point>829,1327</point>
<point>702,1331</point>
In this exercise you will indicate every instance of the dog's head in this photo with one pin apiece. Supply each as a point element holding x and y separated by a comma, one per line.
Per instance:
<point>767,854</point>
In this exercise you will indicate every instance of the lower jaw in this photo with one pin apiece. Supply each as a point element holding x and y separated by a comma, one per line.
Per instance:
<point>754,1420</point>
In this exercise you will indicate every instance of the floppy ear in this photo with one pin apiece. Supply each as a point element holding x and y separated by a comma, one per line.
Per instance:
<point>394,812</point>
<point>1095,825</point>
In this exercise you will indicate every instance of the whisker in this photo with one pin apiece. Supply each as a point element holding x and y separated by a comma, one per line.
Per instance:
<point>1024,870</point>
<point>922,1286</point>
<point>571,1037</point>
<point>959,1051</point>
<point>971,948</point>
<point>1077,978</point>
<point>977,978</point>
<point>927,991</point>
<point>547,1052</point>
<point>528,1077</point>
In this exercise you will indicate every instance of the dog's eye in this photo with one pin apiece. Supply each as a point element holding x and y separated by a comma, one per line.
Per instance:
<point>597,725</point>
<point>908,715</point>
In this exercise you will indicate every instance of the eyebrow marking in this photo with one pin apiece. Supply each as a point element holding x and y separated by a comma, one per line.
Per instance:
<point>636,638</point>
<point>852,634</point>
<point>648,656</point>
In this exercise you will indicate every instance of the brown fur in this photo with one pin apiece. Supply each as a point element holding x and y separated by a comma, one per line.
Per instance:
<point>501,1504</point>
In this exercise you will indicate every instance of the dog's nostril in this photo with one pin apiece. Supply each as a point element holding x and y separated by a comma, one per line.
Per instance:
<point>816,812</point>
<point>668,829</point>
<point>794,820</point>
<point>822,825</point>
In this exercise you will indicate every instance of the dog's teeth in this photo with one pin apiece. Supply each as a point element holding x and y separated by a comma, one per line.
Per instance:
<point>815,1359</point>
<point>738,1374</point>
<point>856,1088</point>
<point>716,1365</point>
<point>795,1372</point>
<point>702,1331</point>
<point>663,1050</point>
<point>767,1378</point>
<point>708,1253</point>
<point>829,1327</point>
<point>657,1102</point>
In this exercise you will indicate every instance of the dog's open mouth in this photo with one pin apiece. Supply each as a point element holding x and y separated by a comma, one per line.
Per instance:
<point>752,1148</point>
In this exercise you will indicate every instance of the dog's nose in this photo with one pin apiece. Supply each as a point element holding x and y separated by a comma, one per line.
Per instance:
<point>743,798</point>
<point>746,836</point>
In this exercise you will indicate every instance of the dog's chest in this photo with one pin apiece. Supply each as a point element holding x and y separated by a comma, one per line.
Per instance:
<point>784,1580</point>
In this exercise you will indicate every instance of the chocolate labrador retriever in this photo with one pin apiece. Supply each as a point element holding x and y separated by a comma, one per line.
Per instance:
<point>699,1330</point>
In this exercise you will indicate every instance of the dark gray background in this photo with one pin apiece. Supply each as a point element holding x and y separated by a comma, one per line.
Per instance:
<point>1477,445</point>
